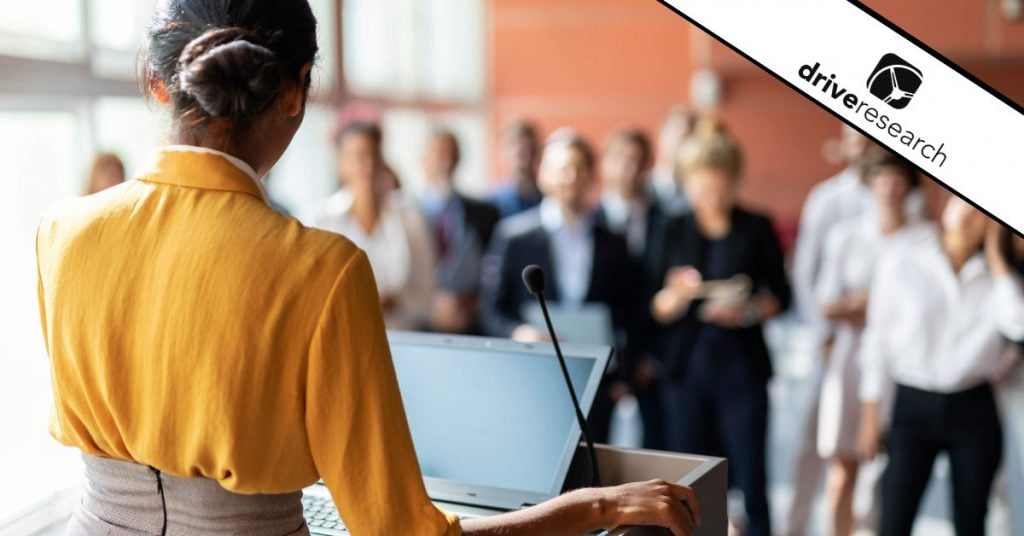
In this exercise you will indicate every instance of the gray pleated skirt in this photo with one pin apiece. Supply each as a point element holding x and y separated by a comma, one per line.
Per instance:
<point>127,499</point>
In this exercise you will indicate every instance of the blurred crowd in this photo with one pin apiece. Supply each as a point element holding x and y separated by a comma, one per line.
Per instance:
<point>918,320</point>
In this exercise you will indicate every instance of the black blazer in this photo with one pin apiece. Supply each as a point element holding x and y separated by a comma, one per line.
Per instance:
<point>520,241</point>
<point>751,248</point>
<point>648,262</point>
<point>647,269</point>
<point>480,216</point>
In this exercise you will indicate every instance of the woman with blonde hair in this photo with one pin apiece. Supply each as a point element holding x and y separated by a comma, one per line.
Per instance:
<point>713,350</point>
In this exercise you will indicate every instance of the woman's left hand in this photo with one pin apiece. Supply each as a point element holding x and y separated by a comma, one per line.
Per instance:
<point>726,315</point>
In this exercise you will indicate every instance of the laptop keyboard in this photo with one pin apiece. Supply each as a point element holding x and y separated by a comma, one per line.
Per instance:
<point>322,516</point>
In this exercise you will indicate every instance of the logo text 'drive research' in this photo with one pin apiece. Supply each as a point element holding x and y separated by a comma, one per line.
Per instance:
<point>894,82</point>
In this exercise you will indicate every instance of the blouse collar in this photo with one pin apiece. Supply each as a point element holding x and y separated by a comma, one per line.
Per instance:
<point>204,168</point>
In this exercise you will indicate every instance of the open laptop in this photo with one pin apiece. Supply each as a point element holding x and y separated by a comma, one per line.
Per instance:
<point>588,323</point>
<point>491,419</point>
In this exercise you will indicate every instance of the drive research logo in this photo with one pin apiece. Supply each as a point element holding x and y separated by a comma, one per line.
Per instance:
<point>894,81</point>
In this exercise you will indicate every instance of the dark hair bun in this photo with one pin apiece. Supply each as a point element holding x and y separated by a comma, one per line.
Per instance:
<point>229,74</point>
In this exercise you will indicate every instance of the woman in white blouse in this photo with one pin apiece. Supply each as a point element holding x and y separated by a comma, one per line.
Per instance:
<point>852,250</point>
<point>383,223</point>
<point>937,315</point>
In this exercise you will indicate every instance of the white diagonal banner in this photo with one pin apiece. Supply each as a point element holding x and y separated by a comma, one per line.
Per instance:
<point>883,83</point>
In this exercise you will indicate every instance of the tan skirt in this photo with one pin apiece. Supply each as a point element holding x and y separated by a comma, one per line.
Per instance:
<point>127,499</point>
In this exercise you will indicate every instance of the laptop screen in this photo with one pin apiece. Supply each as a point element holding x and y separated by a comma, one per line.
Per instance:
<point>493,416</point>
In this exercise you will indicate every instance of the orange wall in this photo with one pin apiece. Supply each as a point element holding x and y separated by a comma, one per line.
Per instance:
<point>598,64</point>
<point>594,65</point>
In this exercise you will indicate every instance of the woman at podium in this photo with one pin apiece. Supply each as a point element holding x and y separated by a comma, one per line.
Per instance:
<point>211,357</point>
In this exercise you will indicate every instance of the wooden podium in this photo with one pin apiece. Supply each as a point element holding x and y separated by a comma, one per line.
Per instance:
<point>706,475</point>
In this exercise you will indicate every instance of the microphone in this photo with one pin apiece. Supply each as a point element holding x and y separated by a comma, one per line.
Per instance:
<point>533,278</point>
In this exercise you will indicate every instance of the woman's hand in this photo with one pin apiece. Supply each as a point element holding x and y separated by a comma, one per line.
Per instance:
<point>726,315</point>
<point>652,503</point>
<point>685,280</point>
<point>682,283</point>
<point>655,502</point>
<point>852,308</point>
<point>869,440</point>
<point>448,313</point>
<point>528,333</point>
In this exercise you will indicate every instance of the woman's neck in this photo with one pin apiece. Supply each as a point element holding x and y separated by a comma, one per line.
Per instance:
<point>958,251</point>
<point>366,210</point>
<point>220,141</point>
<point>891,219</point>
<point>713,225</point>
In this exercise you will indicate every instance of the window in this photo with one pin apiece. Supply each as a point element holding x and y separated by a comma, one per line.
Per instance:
<point>405,135</point>
<point>147,127</point>
<point>35,176</point>
<point>422,62</point>
<point>116,29</point>
<point>414,49</point>
<point>44,29</point>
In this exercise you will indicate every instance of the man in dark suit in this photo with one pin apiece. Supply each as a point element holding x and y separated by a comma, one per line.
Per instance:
<point>462,229</point>
<point>630,208</point>
<point>583,262</point>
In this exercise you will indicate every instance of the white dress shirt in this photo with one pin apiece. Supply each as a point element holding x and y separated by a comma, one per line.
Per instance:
<point>629,219</point>
<point>933,329</point>
<point>399,248</point>
<point>839,198</point>
<point>572,252</point>
<point>852,251</point>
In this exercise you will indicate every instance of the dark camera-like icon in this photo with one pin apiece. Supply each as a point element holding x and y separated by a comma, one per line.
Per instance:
<point>894,81</point>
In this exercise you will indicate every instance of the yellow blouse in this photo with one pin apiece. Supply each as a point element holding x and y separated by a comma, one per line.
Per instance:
<point>193,329</point>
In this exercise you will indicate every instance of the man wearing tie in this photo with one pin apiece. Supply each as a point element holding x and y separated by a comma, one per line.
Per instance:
<point>461,228</point>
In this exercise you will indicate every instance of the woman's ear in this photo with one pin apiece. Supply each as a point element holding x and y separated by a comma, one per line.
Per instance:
<point>295,97</point>
<point>158,89</point>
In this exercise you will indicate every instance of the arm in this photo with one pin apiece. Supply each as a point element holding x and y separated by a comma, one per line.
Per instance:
<point>353,408</point>
<point>582,511</point>
<point>873,355</point>
<point>772,293</point>
<point>807,257</point>
<point>1010,307</point>
<point>834,304</point>
<point>41,296</point>
<point>1006,288</point>
<point>772,269</point>
<point>673,301</point>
